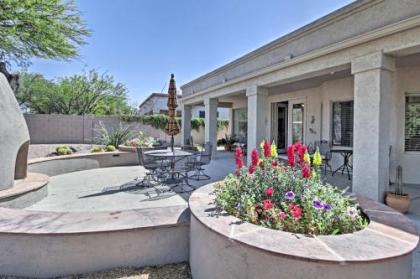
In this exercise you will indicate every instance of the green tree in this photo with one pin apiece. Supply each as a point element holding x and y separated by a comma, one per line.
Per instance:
<point>89,93</point>
<point>51,29</point>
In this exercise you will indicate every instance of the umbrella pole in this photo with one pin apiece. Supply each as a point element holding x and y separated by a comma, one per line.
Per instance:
<point>172,143</point>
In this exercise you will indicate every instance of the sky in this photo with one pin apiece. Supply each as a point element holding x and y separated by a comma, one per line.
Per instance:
<point>141,42</point>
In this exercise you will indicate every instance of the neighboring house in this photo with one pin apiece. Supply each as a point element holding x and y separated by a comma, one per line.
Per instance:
<point>156,103</point>
<point>351,78</point>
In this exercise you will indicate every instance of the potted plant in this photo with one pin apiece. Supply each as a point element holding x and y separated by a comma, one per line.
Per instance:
<point>228,142</point>
<point>398,200</point>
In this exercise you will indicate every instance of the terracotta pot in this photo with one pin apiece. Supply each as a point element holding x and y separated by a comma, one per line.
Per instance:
<point>228,148</point>
<point>400,203</point>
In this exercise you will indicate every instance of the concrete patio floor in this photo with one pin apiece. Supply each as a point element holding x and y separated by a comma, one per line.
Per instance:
<point>100,190</point>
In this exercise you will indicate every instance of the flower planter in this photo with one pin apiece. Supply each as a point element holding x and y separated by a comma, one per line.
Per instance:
<point>222,246</point>
<point>400,203</point>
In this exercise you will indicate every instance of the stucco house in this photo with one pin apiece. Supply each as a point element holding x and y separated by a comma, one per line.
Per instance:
<point>156,103</point>
<point>351,77</point>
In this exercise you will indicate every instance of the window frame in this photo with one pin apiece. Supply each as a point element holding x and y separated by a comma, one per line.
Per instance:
<point>406,94</point>
<point>331,120</point>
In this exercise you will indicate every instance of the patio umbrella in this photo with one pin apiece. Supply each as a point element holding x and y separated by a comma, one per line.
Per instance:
<point>172,127</point>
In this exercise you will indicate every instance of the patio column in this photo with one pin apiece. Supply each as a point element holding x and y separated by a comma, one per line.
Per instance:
<point>257,108</point>
<point>186,124</point>
<point>373,86</point>
<point>210,125</point>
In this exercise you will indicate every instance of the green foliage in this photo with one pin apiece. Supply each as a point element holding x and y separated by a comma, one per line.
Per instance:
<point>110,148</point>
<point>63,150</point>
<point>221,142</point>
<point>89,93</point>
<point>42,28</point>
<point>115,136</point>
<point>141,140</point>
<point>280,197</point>
<point>96,149</point>
<point>159,121</point>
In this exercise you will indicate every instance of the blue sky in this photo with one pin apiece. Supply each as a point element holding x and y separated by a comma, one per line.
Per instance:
<point>140,42</point>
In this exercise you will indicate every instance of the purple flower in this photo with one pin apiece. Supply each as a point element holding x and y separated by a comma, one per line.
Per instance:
<point>317,204</point>
<point>289,196</point>
<point>327,207</point>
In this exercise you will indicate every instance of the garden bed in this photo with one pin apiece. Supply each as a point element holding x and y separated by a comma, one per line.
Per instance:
<point>223,246</point>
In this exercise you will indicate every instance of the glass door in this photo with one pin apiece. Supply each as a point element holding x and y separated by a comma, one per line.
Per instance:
<point>298,122</point>
<point>279,125</point>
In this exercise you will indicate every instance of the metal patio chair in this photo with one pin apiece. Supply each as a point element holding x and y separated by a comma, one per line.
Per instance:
<point>203,158</point>
<point>156,168</point>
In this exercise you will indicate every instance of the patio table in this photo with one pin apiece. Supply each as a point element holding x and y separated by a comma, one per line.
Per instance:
<point>346,153</point>
<point>173,157</point>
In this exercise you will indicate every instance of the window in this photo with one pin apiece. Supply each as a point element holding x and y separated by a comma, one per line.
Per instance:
<point>202,114</point>
<point>412,122</point>
<point>342,123</point>
<point>240,124</point>
<point>297,122</point>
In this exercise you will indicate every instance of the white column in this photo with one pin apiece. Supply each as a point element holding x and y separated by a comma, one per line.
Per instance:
<point>257,108</point>
<point>210,125</point>
<point>373,85</point>
<point>186,124</point>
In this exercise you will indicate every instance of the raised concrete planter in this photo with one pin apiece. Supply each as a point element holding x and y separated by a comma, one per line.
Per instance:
<point>76,162</point>
<point>48,244</point>
<point>222,246</point>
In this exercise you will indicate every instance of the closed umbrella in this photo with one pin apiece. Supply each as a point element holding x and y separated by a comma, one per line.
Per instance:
<point>172,127</point>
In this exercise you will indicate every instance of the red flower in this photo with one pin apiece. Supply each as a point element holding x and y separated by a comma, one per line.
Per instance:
<point>251,169</point>
<point>238,158</point>
<point>302,151</point>
<point>269,192</point>
<point>282,215</point>
<point>254,157</point>
<point>296,211</point>
<point>274,163</point>
<point>267,149</point>
<point>306,170</point>
<point>291,159</point>
<point>267,204</point>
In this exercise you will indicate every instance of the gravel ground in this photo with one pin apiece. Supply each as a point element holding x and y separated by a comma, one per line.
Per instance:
<point>172,271</point>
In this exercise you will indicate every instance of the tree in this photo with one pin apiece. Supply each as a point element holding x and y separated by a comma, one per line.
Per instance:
<point>51,29</point>
<point>89,93</point>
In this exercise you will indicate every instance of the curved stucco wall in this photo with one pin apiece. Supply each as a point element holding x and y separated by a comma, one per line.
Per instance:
<point>13,135</point>
<point>222,246</point>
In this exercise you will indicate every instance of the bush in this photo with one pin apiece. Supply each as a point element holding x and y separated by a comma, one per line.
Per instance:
<point>221,142</point>
<point>116,136</point>
<point>110,148</point>
<point>63,150</point>
<point>290,198</point>
<point>141,140</point>
<point>96,149</point>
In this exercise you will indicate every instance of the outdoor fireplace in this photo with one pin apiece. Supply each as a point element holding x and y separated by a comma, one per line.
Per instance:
<point>14,138</point>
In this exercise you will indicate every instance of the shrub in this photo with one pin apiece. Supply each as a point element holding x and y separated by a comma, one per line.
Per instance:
<point>290,198</point>
<point>96,149</point>
<point>63,150</point>
<point>221,142</point>
<point>141,140</point>
<point>116,136</point>
<point>110,148</point>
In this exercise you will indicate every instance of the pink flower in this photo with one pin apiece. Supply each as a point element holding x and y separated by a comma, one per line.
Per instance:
<point>238,158</point>
<point>282,215</point>
<point>296,211</point>
<point>267,204</point>
<point>269,192</point>
<point>274,163</point>
<point>254,157</point>
<point>251,169</point>
<point>267,149</point>
<point>306,170</point>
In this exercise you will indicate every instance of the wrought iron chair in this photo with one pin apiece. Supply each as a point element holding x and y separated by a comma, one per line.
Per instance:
<point>155,168</point>
<point>181,168</point>
<point>325,150</point>
<point>203,158</point>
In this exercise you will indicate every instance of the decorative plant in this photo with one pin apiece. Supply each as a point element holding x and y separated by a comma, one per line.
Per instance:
<point>290,198</point>
<point>141,140</point>
<point>63,150</point>
<point>96,149</point>
<point>116,136</point>
<point>110,148</point>
<point>221,142</point>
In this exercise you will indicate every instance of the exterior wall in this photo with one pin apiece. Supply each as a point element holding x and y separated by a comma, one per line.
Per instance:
<point>407,81</point>
<point>355,19</point>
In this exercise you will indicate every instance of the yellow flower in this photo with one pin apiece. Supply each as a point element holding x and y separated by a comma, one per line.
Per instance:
<point>317,158</point>
<point>307,158</point>
<point>274,150</point>
<point>262,145</point>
